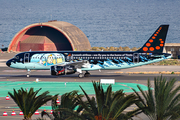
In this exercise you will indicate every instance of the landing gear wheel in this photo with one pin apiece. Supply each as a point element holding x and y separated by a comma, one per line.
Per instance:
<point>87,74</point>
<point>80,75</point>
<point>28,72</point>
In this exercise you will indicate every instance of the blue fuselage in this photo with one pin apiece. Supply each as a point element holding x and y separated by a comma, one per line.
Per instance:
<point>96,60</point>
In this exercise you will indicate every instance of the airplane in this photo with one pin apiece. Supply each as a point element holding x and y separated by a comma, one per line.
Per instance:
<point>69,62</point>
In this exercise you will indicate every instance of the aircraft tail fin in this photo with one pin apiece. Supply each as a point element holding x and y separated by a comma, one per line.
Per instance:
<point>155,43</point>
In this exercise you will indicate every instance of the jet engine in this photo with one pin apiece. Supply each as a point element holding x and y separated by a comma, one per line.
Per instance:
<point>62,70</point>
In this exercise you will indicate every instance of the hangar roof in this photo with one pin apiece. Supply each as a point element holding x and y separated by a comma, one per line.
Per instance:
<point>77,39</point>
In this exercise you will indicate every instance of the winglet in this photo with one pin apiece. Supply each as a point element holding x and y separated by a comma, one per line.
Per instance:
<point>156,42</point>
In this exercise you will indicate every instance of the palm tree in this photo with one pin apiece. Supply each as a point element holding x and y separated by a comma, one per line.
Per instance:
<point>162,102</point>
<point>29,102</point>
<point>107,105</point>
<point>69,107</point>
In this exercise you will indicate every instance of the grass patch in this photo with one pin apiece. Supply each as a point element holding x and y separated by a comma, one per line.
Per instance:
<point>174,62</point>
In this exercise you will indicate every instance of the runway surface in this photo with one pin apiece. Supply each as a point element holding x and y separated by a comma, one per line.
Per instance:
<point>14,75</point>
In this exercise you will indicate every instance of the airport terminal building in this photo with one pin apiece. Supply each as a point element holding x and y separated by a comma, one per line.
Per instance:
<point>173,49</point>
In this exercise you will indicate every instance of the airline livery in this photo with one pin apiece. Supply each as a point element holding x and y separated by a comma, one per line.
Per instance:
<point>69,62</point>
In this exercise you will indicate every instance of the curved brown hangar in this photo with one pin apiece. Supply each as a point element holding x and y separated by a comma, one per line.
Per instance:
<point>49,36</point>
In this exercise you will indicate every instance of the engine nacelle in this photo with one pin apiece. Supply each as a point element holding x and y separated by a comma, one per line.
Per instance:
<point>62,70</point>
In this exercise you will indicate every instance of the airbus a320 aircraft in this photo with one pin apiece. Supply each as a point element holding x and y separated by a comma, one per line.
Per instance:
<point>69,62</point>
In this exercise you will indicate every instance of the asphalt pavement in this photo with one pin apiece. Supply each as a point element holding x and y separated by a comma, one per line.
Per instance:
<point>10,74</point>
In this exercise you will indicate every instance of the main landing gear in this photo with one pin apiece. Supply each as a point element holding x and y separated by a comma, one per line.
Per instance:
<point>87,74</point>
<point>81,75</point>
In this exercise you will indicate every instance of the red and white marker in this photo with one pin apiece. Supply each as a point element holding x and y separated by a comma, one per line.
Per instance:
<point>7,97</point>
<point>57,101</point>
<point>5,113</point>
<point>36,113</point>
<point>51,111</point>
<point>21,113</point>
<point>13,113</point>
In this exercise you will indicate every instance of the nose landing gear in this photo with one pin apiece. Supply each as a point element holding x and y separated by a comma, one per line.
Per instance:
<point>28,72</point>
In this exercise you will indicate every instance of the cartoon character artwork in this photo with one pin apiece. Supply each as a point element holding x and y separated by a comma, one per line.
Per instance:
<point>48,59</point>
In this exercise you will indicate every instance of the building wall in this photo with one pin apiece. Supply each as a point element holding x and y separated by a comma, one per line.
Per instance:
<point>172,48</point>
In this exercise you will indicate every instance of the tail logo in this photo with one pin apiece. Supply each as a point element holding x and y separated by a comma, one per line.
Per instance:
<point>151,48</point>
<point>157,47</point>
<point>148,44</point>
<point>150,40</point>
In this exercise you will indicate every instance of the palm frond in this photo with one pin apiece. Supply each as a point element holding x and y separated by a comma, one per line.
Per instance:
<point>28,101</point>
<point>163,102</point>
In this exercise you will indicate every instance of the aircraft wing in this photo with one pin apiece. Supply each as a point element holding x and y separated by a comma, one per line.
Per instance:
<point>77,64</point>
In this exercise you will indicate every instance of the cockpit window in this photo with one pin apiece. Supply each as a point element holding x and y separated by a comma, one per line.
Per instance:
<point>17,57</point>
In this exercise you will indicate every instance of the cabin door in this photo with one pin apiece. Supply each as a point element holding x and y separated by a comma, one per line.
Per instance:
<point>136,57</point>
<point>26,57</point>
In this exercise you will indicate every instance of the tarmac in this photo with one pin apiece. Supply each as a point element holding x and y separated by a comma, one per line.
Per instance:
<point>9,76</point>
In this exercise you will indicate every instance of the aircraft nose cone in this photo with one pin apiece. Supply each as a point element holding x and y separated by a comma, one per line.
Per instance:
<point>8,63</point>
